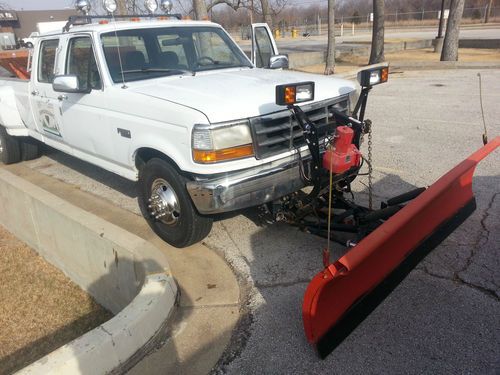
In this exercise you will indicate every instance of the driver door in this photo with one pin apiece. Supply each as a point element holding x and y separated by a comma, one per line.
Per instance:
<point>263,45</point>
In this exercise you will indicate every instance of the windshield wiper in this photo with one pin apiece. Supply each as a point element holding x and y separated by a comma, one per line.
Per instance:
<point>158,70</point>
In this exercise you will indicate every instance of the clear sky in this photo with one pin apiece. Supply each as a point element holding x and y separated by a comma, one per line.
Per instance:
<point>38,4</point>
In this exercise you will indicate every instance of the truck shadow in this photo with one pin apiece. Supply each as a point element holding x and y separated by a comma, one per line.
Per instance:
<point>111,180</point>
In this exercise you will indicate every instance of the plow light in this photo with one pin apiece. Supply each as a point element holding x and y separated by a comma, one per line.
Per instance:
<point>373,76</point>
<point>294,93</point>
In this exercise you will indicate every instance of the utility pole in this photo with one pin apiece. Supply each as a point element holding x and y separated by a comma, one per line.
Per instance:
<point>438,42</point>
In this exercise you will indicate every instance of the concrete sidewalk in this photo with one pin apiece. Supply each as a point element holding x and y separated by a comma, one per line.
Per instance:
<point>209,292</point>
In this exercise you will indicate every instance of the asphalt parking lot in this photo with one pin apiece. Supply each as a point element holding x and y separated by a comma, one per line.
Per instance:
<point>444,318</point>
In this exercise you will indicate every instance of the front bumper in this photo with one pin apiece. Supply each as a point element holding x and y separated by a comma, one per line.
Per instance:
<point>248,188</point>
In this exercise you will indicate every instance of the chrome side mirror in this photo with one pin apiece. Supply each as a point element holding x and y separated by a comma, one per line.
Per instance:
<point>67,84</point>
<point>278,62</point>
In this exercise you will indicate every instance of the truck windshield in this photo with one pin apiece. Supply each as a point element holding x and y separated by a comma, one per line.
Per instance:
<point>137,54</point>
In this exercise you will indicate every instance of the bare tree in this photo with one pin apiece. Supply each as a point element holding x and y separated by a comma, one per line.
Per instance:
<point>266,12</point>
<point>330,53</point>
<point>488,12</point>
<point>450,44</point>
<point>200,9</point>
<point>377,52</point>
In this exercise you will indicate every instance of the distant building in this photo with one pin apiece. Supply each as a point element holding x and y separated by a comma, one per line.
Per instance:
<point>23,22</point>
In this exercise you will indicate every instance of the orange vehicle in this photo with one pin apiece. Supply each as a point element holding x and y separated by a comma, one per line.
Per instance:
<point>15,63</point>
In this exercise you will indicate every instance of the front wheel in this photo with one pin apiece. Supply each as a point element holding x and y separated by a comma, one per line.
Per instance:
<point>10,151</point>
<point>167,206</point>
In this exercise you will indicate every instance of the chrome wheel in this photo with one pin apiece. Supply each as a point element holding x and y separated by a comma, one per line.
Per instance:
<point>163,203</point>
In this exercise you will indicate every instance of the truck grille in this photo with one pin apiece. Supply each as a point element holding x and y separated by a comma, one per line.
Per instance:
<point>279,132</point>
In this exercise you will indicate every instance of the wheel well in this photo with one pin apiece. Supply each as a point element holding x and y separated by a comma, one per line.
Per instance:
<point>143,155</point>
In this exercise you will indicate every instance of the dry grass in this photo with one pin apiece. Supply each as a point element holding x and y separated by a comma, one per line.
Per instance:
<point>40,308</point>
<point>416,55</point>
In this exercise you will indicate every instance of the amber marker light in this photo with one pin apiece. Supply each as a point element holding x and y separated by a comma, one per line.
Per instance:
<point>233,153</point>
<point>384,74</point>
<point>290,95</point>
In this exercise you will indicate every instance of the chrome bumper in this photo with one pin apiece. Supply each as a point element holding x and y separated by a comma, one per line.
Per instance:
<point>248,188</point>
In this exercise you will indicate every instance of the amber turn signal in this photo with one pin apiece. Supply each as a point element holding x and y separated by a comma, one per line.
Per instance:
<point>233,153</point>
<point>384,74</point>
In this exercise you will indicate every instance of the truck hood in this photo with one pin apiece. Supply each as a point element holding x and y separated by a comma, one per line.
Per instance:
<point>238,93</point>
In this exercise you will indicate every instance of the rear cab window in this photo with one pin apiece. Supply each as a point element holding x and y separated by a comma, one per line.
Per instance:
<point>46,60</point>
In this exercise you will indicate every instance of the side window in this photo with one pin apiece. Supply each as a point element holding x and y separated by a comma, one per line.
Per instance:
<point>46,60</point>
<point>264,47</point>
<point>81,62</point>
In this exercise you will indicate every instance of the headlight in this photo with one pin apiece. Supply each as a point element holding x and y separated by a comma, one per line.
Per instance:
<point>221,142</point>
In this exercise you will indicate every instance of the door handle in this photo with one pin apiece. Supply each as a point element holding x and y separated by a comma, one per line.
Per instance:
<point>62,97</point>
<point>35,92</point>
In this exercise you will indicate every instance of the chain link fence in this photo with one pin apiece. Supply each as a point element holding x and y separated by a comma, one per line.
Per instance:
<point>350,25</point>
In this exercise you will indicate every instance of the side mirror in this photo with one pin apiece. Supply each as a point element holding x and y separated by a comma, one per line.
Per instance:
<point>278,62</point>
<point>68,84</point>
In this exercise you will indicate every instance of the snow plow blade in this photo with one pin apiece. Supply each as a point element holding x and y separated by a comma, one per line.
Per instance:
<point>349,289</point>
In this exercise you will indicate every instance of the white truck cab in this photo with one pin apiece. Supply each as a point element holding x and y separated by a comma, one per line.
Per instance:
<point>175,105</point>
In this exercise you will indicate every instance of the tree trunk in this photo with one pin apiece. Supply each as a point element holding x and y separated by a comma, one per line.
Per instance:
<point>200,9</point>
<point>377,52</point>
<point>121,7</point>
<point>266,13</point>
<point>330,54</point>
<point>450,45</point>
<point>488,12</point>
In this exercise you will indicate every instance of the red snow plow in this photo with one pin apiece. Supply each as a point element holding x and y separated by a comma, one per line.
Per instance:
<point>381,245</point>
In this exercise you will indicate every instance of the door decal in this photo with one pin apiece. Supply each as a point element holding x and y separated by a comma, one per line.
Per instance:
<point>48,119</point>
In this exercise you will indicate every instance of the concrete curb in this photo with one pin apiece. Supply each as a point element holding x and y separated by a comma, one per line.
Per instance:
<point>423,66</point>
<point>436,65</point>
<point>125,274</point>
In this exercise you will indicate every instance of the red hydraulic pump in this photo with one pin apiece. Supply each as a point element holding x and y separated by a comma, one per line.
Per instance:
<point>343,154</point>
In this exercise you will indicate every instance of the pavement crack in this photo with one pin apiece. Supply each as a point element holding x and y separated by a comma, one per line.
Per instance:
<point>457,279</point>
<point>282,284</point>
<point>483,235</point>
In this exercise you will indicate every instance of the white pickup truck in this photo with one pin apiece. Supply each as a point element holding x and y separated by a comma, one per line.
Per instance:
<point>175,105</point>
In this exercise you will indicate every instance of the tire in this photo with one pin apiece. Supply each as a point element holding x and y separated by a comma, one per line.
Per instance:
<point>182,225</point>
<point>30,148</point>
<point>10,151</point>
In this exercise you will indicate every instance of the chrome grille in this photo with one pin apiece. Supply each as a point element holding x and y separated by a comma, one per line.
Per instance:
<point>279,132</point>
